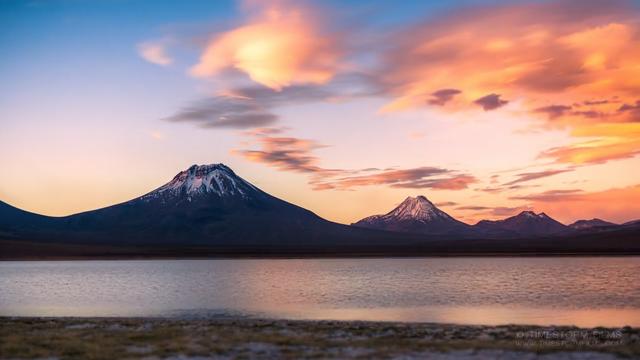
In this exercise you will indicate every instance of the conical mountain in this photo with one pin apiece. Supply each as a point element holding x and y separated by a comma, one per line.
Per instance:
<point>416,215</point>
<point>204,205</point>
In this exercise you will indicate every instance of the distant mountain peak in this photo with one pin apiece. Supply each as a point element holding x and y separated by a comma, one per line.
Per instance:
<point>414,214</point>
<point>526,223</point>
<point>532,214</point>
<point>590,224</point>
<point>216,179</point>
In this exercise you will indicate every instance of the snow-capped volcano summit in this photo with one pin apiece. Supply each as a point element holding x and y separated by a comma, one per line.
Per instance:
<point>213,179</point>
<point>418,208</point>
<point>212,205</point>
<point>416,215</point>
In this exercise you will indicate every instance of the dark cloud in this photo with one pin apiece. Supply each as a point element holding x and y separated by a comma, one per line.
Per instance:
<point>252,106</point>
<point>553,111</point>
<point>491,190</point>
<point>456,182</point>
<point>446,204</point>
<point>491,102</point>
<point>296,155</point>
<point>285,153</point>
<point>633,109</point>
<point>443,96</point>
<point>590,114</point>
<point>406,178</point>
<point>523,177</point>
<point>595,102</point>
<point>225,112</point>
<point>473,208</point>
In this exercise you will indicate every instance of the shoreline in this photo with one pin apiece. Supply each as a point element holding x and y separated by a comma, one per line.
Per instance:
<point>188,338</point>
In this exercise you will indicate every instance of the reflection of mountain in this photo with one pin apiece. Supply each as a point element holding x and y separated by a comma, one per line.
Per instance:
<point>210,211</point>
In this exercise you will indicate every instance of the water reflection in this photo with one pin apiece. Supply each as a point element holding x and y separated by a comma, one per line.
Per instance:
<point>578,291</point>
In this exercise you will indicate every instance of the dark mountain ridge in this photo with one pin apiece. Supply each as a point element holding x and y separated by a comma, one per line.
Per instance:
<point>525,224</point>
<point>207,205</point>
<point>208,210</point>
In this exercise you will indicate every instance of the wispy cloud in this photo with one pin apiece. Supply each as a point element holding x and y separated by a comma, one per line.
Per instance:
<point>254,106</point>
<point>553,111</point>
<point>225,112</point>
<point>154,52</point>
<point>604,142</point>
<point>473,208</point>
<point>443,96</point>
<point>415,178</point>
<point>297,155</point>
<point>529,176</point>
<point>446,204</point>
<point>284,153</point>
<point>551,195</point>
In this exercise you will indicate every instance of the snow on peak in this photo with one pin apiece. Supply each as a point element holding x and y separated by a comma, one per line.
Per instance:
<point>417,208</point>
<point>204,179</point>
<point>533,215</point>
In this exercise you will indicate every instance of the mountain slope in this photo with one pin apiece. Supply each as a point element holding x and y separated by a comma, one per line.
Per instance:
<point>210,211</point>
<point>415,215</point>
<point>525,224</point>
<point>208,206</point>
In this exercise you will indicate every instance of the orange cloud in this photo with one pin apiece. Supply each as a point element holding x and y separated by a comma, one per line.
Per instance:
<point>619,205</point>
<point>556,58</point>
<point>607,142</point>
<point>541,52</point>
<point>415,178</point>
<point>279,46</point>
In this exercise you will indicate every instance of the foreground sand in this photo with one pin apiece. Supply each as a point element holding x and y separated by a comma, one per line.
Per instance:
<point>114,338</point>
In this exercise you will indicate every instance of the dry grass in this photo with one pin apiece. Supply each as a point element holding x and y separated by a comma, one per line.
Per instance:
<point>76,338</point>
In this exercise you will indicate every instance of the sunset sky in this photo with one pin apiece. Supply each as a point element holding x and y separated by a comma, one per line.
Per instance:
<point>345,108</point>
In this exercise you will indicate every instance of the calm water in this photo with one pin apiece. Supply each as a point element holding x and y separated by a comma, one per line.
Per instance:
<point>578,291</point>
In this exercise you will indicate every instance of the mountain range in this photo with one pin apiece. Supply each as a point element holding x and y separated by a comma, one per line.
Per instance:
<point>209,210</point>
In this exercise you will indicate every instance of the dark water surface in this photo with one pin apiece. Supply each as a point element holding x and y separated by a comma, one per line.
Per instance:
<point>579,291</point>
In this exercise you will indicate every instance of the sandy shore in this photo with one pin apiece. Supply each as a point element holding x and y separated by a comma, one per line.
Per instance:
<point>114,338</point>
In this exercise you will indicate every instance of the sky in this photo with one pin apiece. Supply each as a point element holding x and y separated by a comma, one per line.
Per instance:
<point>345,108</point>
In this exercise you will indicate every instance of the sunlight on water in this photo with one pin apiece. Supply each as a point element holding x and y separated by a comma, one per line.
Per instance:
<point>573,291</point>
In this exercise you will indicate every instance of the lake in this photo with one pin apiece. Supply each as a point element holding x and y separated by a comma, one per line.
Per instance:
<point>582,291</point>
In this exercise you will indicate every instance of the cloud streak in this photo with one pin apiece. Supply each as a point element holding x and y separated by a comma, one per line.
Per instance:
<point>225,112</point>
<point>297,155</point>
<point>415,178</point>
<point>255,106</point>
<point>529,176</point>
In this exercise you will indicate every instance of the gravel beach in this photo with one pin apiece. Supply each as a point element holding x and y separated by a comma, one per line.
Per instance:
<point>162,338</point>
